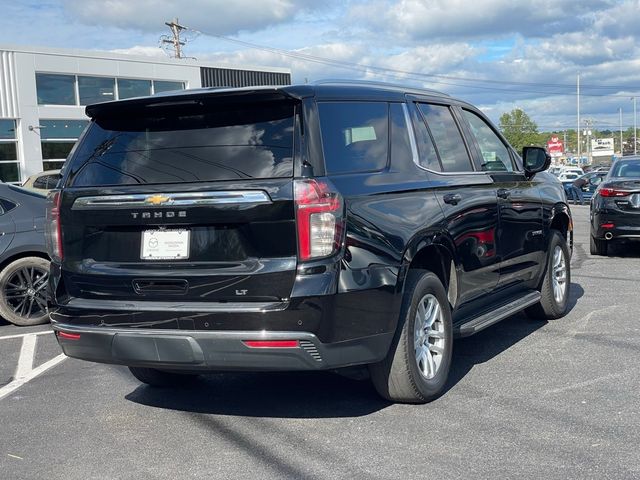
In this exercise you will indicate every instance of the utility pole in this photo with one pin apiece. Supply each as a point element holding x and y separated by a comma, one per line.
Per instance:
<point>176,28</point>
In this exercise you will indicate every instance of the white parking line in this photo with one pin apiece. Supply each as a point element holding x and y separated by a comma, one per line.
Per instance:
<point>25,371</point>
<point>20,335</point>
<point>27,354</point>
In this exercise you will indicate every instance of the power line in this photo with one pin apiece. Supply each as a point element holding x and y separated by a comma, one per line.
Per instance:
<point>366,68</point>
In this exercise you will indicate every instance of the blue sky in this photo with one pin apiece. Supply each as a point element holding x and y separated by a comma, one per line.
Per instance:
<point>497,54</point>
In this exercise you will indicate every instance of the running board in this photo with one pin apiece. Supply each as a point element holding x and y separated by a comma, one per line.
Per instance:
<point>487,319</point>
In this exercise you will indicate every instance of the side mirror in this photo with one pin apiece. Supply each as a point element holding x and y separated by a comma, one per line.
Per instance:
<point>536,159</point>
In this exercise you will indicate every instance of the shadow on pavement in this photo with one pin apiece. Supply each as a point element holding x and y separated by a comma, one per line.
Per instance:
<point>575,294</point>
<point>625,249</point>
<point>489,343</point>
<point>323,394</point>
<point>270,395</point>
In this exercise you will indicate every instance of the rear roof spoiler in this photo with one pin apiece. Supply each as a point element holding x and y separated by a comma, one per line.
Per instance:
<point>199,96</point>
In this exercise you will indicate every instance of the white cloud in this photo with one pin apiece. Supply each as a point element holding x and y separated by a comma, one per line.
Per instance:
<point>218,17</point>
<point>141,51</point>
<point>541,43</point>
<point>422,19</point>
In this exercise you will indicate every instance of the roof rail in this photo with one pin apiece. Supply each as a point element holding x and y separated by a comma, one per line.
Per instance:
<point>374,83</point>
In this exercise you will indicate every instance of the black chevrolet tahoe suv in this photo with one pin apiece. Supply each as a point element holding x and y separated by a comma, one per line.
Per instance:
<point>305,227</point>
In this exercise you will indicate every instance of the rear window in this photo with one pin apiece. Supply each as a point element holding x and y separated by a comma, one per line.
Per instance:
<point>187,145</point>
<point>355,136</point>
<point>625,169</point>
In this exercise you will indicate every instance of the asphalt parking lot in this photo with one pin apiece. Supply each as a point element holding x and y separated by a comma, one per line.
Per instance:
<point>526,399</point>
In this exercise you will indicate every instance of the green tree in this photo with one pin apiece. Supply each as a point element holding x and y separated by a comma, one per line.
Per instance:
<point>519,129</point>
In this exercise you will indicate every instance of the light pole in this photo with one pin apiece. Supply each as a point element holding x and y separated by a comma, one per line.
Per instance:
<point>635,129</point>
<point>578,102</point>
<point>621,150</point>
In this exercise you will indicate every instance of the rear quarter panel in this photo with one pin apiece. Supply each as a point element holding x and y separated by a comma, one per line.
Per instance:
<point>385,214</point>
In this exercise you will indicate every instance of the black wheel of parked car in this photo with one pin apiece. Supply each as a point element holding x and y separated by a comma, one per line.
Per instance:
<point>23,291</point>
<point>161,378</point>
<point>598,247</point>
<point>417,365</point>
<point>556,282</point>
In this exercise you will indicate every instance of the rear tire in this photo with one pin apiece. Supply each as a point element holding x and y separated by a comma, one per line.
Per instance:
<point>556,283</point>
<point>23,291</point>
<point>417,365</point>
<point>161,378</point>
<point>598,247</point>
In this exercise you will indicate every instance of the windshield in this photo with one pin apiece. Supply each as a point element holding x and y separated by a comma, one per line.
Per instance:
<point>626,169</point>
<point>234,142</point>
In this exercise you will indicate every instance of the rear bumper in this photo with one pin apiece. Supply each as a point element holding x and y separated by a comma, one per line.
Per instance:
<point>611,225</point>
<point>215,351</point>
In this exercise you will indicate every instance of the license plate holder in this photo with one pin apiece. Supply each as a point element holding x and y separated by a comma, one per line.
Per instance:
<point>165,244</point>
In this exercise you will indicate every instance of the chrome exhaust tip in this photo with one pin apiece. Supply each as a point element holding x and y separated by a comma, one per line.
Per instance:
<point>608,236</point>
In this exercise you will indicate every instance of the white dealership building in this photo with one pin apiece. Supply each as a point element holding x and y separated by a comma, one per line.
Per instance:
<point>44,91</point>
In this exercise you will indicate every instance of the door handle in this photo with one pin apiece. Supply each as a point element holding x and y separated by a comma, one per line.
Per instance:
<point>504,193</point>
<point>452,198</point>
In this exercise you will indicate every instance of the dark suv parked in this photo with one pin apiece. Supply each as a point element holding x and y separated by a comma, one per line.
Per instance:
<point>300,228</point>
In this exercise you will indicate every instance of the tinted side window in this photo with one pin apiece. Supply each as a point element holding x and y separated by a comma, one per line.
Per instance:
<point>448,139</point>
<point>427,156</point>
<point>355,136</point>
<point>6,205</point>
<point>495,154</point>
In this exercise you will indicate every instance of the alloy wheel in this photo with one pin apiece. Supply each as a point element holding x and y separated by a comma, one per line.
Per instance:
<point>429,336</point>
<point>559,275</point>
<point>25,291</point>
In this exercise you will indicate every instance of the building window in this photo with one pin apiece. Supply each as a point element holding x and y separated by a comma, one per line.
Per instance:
<point>58,138</point>
<point>96,89</point>
<point>55,89</point>
<point>128,88</point>
<point>164,86</point>
<point>9,165</point>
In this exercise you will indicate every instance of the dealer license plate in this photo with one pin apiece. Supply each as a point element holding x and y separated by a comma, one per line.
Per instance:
<point>165,245</point>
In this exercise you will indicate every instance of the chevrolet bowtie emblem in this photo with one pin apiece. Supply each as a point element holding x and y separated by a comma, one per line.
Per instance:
<point>157,200</point>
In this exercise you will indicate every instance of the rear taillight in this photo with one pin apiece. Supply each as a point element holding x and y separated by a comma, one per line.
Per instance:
<point>612,192</point>
<point>53,230</point>
<point>69,336</point>
<point>319,218</point>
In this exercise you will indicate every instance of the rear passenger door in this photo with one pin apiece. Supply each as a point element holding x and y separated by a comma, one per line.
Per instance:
<point>467,198</point>
<point>7,226</point>
<point>520,228</point>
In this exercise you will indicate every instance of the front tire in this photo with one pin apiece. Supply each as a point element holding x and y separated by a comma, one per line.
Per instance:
<point>417,365</point>
<point>556,283</point>
<point>161,378</point>
<point>23,291</point>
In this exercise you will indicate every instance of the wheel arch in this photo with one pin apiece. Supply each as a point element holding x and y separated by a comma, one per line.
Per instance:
<point>434,252</point>
<point>22,252</point>
<point>562,221</point>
